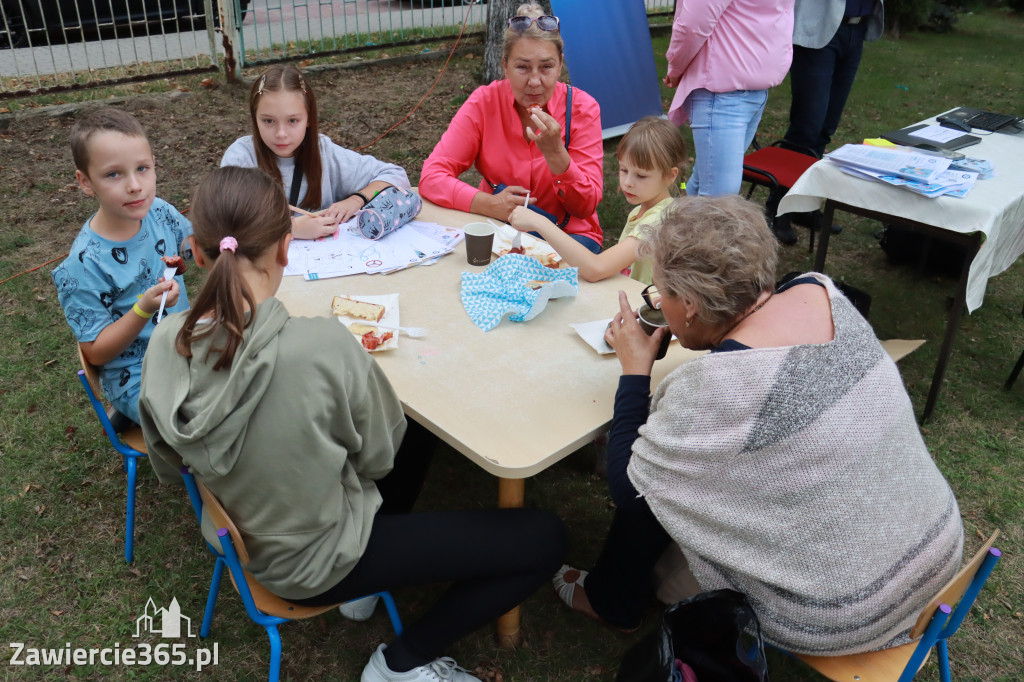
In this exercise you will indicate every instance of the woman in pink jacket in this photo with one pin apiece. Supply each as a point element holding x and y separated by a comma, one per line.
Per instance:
<point>723,58</point>
<point>515,132</point>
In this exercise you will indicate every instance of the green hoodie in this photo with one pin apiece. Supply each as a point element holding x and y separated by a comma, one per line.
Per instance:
<point>290,439</point>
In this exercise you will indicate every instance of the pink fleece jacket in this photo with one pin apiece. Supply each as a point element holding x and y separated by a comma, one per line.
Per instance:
<point>727,45</point>
<point>487,133</point>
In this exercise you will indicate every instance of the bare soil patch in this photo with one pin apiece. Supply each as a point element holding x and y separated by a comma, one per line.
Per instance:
<point>189,132</point>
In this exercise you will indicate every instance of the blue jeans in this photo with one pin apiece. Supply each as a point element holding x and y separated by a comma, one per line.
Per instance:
<point>821,80</point>
<point>723,126</point>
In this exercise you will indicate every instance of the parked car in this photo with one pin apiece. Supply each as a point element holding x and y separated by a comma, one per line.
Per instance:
<point>41,22</point>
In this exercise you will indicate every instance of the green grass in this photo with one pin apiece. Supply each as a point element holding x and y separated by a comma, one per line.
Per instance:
<point>62,574</point>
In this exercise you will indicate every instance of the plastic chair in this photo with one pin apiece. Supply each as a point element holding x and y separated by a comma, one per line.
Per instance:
<point>937,623</point>
<point>125,436</point>
<point>262,606</point>
<point>778,169</point>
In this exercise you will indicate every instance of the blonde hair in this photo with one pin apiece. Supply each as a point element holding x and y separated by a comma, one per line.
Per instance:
<point>716,252</point>
<point>653,143</point>
<point>530,9</point>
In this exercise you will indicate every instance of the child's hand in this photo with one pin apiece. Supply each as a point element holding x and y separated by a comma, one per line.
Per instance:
<point>343,210</point>
<point>525,220</point>
<point>150,299</point>
<point>313,227</point>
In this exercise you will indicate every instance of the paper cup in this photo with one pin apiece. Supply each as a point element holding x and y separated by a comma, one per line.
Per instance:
<point>479,240</point>
<point>650,320</point>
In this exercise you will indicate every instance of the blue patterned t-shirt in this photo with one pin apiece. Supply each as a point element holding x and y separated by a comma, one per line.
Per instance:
<point>101,280</point>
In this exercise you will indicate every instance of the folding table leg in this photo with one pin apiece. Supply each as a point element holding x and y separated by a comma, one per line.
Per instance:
<point>511,493</point>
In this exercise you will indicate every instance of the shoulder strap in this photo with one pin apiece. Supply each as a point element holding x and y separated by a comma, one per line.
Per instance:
<point>568,113</point>
<point>293,196</point>
<point>568,128</point>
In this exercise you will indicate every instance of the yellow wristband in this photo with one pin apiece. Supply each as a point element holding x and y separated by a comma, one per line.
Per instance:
<point>140,312</point>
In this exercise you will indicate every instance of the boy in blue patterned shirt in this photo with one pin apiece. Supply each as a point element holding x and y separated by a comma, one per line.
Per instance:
<point>110,285</point>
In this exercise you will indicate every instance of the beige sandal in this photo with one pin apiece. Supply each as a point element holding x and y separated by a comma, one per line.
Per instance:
<point>566,590</point>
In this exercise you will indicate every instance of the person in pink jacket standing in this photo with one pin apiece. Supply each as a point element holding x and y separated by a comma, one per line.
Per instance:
<point>723,58</point>
<point>527,134</point>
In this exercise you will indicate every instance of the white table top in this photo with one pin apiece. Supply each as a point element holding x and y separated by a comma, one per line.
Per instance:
<point>994,206</point>
<point>514,399</point>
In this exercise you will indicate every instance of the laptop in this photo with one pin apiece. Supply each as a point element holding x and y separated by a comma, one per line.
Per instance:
<point>905,137</point>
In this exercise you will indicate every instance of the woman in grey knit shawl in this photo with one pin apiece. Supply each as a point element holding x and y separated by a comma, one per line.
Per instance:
<point>786,463</point>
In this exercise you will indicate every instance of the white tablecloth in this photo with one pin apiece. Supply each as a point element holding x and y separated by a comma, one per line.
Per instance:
<point>994,206</point>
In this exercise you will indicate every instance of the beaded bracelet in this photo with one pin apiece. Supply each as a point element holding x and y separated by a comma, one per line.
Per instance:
<point>140,312</point>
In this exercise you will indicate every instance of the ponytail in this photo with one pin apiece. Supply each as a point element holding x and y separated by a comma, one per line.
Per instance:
<point>236,213</point>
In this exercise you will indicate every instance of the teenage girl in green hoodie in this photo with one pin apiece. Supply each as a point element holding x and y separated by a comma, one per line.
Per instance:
<point>296,430</point>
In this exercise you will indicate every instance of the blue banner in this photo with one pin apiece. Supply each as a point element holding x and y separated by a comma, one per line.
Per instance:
<point>608,54</point>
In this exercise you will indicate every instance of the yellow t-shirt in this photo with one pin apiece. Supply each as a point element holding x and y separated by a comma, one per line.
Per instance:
<point>640,227</point>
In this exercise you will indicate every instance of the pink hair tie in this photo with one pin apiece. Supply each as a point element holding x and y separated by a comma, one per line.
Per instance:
<point>228,244</point>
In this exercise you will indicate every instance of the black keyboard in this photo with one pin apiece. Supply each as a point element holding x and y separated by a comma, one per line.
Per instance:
<point>988,120</point>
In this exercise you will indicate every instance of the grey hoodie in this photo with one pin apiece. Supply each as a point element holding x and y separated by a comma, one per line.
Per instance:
<point>290,439</point>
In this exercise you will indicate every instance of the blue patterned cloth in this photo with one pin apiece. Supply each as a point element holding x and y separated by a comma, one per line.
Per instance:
<point>503,288</point>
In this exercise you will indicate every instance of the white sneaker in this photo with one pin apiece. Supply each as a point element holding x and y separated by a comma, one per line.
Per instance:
<point>439,669</point>
<point>359,609</point>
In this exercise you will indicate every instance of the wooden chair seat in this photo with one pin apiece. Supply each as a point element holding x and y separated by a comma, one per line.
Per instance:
<point>937,622</point>
<point>261,605</point>
<point>272,605</point>
<point>886,664</point>
<point>133,439</point>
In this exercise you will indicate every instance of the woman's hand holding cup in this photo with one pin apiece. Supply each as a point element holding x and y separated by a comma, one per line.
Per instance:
<point>634,348</point>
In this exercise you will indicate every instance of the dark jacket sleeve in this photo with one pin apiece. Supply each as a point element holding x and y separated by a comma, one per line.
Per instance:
<point>632,403</point>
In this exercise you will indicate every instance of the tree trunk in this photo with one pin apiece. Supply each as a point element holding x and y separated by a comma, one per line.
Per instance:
<point>498,13</point>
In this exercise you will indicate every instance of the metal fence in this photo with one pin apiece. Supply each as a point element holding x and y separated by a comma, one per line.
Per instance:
<point>58,45</point>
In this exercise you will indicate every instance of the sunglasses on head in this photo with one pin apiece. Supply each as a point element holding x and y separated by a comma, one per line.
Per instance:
<point>544,23</point>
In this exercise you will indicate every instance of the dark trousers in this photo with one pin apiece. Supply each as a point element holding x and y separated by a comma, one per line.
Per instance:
<point>621,584</point>
<point>494,559</point>
<point>821,80</point>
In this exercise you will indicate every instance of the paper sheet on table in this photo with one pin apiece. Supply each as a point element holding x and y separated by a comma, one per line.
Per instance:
<point>349,253</point>
<point>947,183</point>
<point>532,247</point>
<point>388,323</point>
<point>936,133</point>
<point>593,334</point>
<point>904,164</point>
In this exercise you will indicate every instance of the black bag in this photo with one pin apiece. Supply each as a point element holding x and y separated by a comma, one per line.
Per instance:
<point>706,633</point>
<point>932,256</point>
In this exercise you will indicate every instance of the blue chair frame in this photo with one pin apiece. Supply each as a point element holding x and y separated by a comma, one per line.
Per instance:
<point>938,622</point>
<point>245,585</point>
<point>131,449</point>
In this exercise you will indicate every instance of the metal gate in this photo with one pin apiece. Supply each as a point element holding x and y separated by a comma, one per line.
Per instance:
<point>58,45</point>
